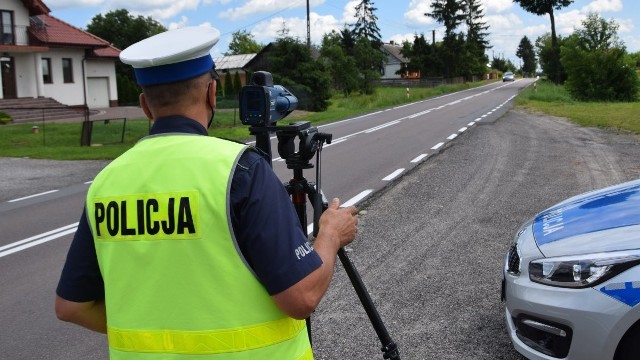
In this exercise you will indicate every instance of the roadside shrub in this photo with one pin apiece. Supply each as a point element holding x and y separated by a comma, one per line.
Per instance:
<point>5,118</point>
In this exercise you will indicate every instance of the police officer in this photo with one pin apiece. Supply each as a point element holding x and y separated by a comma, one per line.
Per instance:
<point>189,247</point>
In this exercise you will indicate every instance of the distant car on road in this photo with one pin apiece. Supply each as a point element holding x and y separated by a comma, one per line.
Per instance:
<point>508,76</point>
<point>571,281</point>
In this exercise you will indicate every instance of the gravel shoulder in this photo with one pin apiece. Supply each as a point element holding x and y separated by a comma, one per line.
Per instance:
<point>430,247</point>
<point>24,177</point>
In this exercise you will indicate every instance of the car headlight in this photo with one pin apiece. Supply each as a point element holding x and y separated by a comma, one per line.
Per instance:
<point>581,271</point>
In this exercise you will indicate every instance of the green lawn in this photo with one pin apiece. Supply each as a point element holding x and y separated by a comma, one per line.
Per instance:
<point>554,100</point>
<point>62,140</point>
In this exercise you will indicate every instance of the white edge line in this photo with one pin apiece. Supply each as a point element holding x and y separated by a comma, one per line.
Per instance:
<point>393,175</point>
<point>354,200</point>
<point>462,129</point>
<point>32,196</point>
<point>38,242</point>
<point>419,158</point>
<point>437,146</point>
<point>74,225</point>
<point>452,136</point>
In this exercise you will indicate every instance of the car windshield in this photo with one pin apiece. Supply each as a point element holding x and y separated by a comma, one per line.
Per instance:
<point>508,73</point>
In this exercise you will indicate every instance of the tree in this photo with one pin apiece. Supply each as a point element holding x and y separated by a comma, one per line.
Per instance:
<point>292,66</point>
<point>597,34</point>
<point>528,56</point>
<point>546,7</point>
<point>461,56</point>
<point>365,25</point>
<point>243,42</point>
<point>597,65</point>
<point>341,66</point>
<point>547,57</point>
<point>121,29</point>
<point>369,60</point>
<point>228,85</point>
<point>477,43</point>
<point>502,64</point>
<point>347,40</point>
<point>635,57</point>
<point>237,83</point>
<point>450,13</point>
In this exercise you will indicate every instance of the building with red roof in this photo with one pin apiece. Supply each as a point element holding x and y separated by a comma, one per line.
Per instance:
<point>42,56</point>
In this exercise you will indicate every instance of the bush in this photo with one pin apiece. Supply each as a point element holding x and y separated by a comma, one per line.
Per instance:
<point>597,65</point>
<point>5,118</point>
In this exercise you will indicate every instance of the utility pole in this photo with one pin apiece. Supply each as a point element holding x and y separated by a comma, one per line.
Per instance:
<point>308,27</point>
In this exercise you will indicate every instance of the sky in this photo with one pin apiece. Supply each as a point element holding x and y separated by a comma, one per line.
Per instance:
<point>398,20</point>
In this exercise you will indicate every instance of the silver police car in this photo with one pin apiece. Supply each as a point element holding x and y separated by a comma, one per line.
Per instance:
<point>572,278</point>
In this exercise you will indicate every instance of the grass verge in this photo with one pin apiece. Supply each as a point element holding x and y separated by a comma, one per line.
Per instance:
<point>554,100</point>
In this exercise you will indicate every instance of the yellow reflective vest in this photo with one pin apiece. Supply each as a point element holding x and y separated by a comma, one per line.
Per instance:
<point>176,284</point>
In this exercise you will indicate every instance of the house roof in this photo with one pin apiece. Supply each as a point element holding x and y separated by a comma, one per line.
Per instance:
<point>36,7</point>
<point>106,52</point>
<point>53,31</point>
<point>394,50</point>
<point>233,61</point>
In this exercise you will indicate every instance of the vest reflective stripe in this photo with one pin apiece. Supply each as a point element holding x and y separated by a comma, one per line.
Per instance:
<point>205,342</point>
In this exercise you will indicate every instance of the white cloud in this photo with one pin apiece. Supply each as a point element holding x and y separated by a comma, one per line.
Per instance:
<point>568,21</point>
<point>157,9</point>
<point>400,38</point>
<point>415,14</point>
<point>626,26</point>
<point>266,31</point>
<point>601,6</point>
<point>349,12</point>
<point>252,7</point>
<point>497,6</point>
<point>66,4</point>
<point>184,21</point>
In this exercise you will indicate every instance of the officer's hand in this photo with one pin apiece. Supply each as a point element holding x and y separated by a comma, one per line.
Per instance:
<point>339,222</point>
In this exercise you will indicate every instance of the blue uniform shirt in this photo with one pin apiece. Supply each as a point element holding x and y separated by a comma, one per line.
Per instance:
<point>263,218</point>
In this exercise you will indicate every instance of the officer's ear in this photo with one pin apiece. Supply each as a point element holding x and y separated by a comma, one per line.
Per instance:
<point>145,106</point>
<point>211,93</point>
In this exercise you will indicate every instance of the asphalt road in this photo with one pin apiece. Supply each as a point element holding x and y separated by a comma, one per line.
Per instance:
<point>429,248</point>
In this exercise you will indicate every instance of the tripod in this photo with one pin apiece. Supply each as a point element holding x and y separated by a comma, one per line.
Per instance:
<point>299,189</point>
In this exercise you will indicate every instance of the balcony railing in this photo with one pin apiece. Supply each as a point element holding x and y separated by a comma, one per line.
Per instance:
<point>14,35</point>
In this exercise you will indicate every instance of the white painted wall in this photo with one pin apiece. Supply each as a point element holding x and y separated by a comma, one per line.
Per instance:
<point>97,92</point>
<point>390,71</point>
<point>65,93</point>
<point>25,77</point>
<point>103,68</point>
<point>20,13</point>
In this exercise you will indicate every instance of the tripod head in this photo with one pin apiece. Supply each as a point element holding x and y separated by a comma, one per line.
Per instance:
<point>310,142</point>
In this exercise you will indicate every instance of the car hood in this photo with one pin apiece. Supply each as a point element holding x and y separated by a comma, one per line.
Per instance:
<point>603,220</point>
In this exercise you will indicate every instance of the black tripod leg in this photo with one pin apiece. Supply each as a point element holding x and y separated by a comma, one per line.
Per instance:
<point>389,348</point>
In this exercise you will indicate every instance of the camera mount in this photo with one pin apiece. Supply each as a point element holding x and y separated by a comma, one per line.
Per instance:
<point>310,144</point>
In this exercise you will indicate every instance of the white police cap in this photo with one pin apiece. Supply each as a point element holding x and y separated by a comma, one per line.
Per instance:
<point>172,56</point>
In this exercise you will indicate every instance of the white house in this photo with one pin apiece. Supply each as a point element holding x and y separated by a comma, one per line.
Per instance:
<point>42,56</point>
<point>393,63</point>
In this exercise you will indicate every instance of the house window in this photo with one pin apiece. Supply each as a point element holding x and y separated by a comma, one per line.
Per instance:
<point>46,71</point>
<point>6,28</point>
<point>67,70</point>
